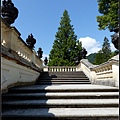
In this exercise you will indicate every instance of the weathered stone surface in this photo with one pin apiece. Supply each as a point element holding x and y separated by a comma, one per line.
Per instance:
<point>13,56</point>
<point>61,101</point>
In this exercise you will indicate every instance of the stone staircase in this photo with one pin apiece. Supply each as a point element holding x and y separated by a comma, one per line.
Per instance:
<point>61,96</point>
<point>63,78</point>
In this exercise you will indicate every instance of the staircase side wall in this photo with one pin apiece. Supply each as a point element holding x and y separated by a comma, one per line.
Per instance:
<point>103,74</point>
<point>14,74</point>
<point>87,71</point>
<point>19,64</point>
<point>11,40</point>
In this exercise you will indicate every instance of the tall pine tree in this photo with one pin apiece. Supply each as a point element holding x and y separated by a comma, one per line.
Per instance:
<point>66,46</point>
<point>104,54</point>
<point>106,49</point>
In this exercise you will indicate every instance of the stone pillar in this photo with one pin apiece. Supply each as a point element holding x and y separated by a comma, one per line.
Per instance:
<point>46,68</point>
<point>115,69</point>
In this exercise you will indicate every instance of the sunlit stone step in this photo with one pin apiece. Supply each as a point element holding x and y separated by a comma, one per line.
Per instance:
<point>65,95</point>
<point>62,113</point>
<point>64,88</point>
<point>50,103</point>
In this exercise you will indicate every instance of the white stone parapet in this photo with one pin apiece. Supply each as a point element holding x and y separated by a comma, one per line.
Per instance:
<point>11,40</point>
<point>106,73</point>
<point>20,65</point>
<point>61,68</point>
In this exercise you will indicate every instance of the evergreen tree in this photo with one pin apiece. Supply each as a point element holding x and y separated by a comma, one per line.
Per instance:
<point>66,46</point>
<point>104,54</point>
<point>106,49</point>
<point>110,11</point>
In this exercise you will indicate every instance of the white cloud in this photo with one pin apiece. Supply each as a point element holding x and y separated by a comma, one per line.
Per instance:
<point>90,44</point>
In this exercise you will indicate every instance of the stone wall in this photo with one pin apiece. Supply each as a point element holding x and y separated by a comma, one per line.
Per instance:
<point>103,74</point>
<point>19,64</point>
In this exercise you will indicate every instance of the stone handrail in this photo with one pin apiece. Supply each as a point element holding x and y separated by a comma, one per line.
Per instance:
<point>11,40</point>
<point>105,74</point>
<point>86,66</point>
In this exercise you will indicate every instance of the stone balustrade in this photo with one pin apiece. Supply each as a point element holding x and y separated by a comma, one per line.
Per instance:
<point>20,65</point>
<point>11,40</point>
<point>24,51</point>
<point>105,74</point>
<point>104,71</point>
<point>60,68</point>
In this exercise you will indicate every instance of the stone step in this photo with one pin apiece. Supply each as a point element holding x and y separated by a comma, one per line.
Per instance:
<point>62,103</point>
<point>61,95</point>
<point>62,80</point>
<point>63,73</point>
<point>72,74</point>
<point>63,88</point>
<point>48,78</point>
<point>62,113</point>
<point>67,79</point>
<point>50,83</point>
<point>63,77</point>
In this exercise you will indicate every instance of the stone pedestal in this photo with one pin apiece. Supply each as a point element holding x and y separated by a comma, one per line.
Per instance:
<point>45,68</point>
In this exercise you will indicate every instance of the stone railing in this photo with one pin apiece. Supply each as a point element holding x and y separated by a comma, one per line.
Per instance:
<point>105,74</point>
<point>86,67</point>
<point>60,68</point>
<point>20,65</point>
<point>11,40</point>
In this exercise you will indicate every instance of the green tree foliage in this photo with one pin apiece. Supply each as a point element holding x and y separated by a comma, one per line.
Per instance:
<point>91,57</point>
<point>104,54</point>
<point>114,53</point>
<point>109,10</point>
<point>66,46</point>
<point>99,58</point>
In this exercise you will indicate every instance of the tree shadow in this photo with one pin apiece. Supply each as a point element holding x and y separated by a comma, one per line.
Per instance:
<point>46,78</point>
<point>28,102</point>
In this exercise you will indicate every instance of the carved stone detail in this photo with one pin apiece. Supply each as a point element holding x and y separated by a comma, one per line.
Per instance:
<point>8,11</point>
<point>30,41</point>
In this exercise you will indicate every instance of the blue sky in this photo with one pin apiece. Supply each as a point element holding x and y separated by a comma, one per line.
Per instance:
<point>42,17</point>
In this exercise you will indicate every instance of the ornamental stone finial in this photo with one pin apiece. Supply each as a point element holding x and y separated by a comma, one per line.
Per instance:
<point>45,61</point>
<point>30,41</point>
<point>8,11</point>
<point>115,38</point>
<point>40,52</point>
